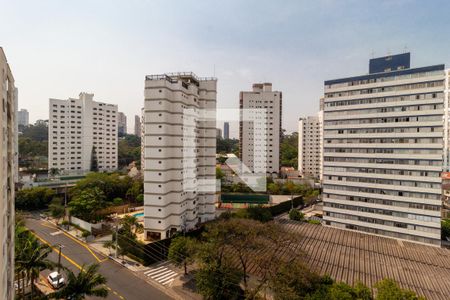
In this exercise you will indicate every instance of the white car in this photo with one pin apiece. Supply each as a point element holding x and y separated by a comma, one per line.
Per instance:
<point>56,280</point>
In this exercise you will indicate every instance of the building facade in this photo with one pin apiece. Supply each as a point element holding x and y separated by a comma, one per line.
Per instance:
<point>82,135</point>
<point>226,130</point>
<point>384,150</point>
<point>121,124</point>
<point>268,134</point>
<point>8,150</point>
<point>137,125</point>
<point>142,123</point>
<point>23,117</point>
<point>218,133</point>
<point>309,147</point>
<point>180,148</point>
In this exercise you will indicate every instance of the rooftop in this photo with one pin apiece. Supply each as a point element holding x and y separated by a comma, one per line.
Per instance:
<point>173,77</point>
<point>388,66</point>
<point>352,256</point>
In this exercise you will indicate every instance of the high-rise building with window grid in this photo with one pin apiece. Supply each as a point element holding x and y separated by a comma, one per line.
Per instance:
<point>8,176</point>
<point>82,132</point>
<point>385,145</point>
<point>179,153</point>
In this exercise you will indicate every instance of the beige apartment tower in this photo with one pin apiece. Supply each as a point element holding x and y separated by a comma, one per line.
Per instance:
<point>81,131</point>
<point>8,150</point>
<point>179,155</point>
<point>251,138</point>
<point>309,147</point>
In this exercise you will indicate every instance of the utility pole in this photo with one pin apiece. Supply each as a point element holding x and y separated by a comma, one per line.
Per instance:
<point>59,258</point>
<point>65,202</point>
<point>292,201</point>
<point>117,238</point>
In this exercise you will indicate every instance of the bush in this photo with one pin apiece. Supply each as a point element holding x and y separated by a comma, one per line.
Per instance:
<point>117,201</point>
<point>296,215</point>
<point>85,234</point>
<point>315,222</point>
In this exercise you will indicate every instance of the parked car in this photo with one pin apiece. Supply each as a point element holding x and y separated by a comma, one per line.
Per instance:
<point>56,280</point>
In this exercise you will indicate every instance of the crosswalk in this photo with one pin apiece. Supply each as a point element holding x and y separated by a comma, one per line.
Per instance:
<point>162,274</point>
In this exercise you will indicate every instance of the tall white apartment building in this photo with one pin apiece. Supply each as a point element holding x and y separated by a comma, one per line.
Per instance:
<point>261,98</point>
<point>121,124</point>
<point>8,142</point>
<point>180,148</point>
<point>82,131</point>
<point>142,123</point>
<point>384,150</point>
<point>23,117</point>
<point>309,146</point>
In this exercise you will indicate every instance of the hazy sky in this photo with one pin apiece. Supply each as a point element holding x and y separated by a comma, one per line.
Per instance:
<point>59,48</point>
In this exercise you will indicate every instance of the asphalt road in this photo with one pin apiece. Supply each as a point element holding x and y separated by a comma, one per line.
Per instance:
<point>122,283</point>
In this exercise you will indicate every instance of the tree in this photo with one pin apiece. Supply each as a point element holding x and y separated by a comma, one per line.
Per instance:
<point>87,204</point>
<point>33,198</point>
<point>129,150</point>
<point>226,145</point>
<point>57,210</point>
<point>219,282</point>
<point>136,189</point>
<point>273,188</point>
<point>94,160</point>
<point>445,228</point>
<point>30,257</point>
<point>258,213</point>
<point>264,245</point>
<point>117,201</point>
<point>88,282</point>
<point>112,185</point>
<point>343,291</point>
<point>130,226</point>
<point>296,215</point>
<point>388,289</point>
<point>293,280</point>
<point>53,172</point>
<point>289,150</point>
<point>219,173</point>
<point>181,251</point>
<point>33,146</point>
<point>140,199</point>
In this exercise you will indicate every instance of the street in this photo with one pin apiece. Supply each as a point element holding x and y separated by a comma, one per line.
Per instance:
<point>122,283</point>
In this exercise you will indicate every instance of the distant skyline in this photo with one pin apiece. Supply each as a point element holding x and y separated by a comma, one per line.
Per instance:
<point>58,49</point>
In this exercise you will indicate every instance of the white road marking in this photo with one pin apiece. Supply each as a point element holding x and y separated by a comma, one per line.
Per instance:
<point>161,274</point>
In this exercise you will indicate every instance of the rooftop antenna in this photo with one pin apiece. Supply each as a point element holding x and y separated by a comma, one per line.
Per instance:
<point>214,70</point>
<point>372,54</point>
<point>405,49</point>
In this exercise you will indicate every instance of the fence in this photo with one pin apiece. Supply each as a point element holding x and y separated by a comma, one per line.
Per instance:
<point>85,225</point>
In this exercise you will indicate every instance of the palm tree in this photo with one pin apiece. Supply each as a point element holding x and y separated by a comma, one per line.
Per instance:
<point>88,282</point>
<point>31,259</point>
<point>131,226</point>
<point>21,235</point>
